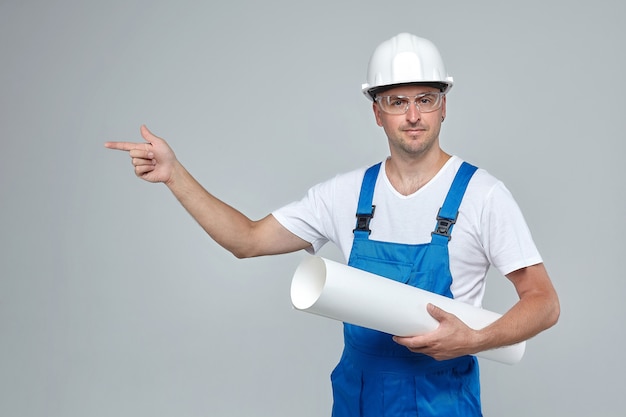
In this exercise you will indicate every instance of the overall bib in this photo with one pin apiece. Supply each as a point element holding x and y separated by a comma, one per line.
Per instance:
<point>376,377</point>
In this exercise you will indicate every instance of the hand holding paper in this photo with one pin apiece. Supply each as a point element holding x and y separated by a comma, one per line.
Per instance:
<point>451,339</point>
<point>340,292</point>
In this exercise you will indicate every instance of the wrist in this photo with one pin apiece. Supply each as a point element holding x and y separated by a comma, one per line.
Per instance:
<point>176,174</point>
<point>481,340</point>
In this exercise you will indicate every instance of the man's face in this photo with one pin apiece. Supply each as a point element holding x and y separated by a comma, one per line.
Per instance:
<point>413,133</point>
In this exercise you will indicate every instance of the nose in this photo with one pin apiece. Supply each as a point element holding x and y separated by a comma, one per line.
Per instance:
<point>413,114</point>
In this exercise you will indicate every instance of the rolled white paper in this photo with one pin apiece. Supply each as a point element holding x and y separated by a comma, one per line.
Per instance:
<point>330,289</point>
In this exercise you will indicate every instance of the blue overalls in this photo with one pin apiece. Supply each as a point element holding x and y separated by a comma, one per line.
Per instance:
<point>376,377</point>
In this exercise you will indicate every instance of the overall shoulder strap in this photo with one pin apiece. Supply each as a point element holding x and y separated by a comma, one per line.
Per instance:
<point>448,212</point>
<point>365,209</point>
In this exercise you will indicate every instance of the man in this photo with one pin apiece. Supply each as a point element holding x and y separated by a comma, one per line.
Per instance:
<point>423,217</point>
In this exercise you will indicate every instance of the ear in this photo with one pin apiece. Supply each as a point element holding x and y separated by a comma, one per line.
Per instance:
<point>443,107</point>
<point>377,114</point>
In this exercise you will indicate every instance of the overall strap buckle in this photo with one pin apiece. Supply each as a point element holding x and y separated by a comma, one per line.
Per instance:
<point>363,221</point>
<point>444,225</point>
<point>449,211</point>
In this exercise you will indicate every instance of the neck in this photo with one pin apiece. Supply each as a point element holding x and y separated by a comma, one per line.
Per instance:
<point>407,175</point>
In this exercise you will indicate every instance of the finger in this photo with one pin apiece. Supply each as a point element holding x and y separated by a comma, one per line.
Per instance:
<point>142,152</point>
<point>417,349</point>
<point>410,342</point>
<point>436,312</point>
<point>401,341</point>
<point>148,135</point>
<point>123,146</point>
<point>131,147</point>
<point>142,161</point>
<point>141,170</point>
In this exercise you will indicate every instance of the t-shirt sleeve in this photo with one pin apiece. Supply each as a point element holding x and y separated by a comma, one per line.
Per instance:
<point>307,218</point>
<point>326,213</point>
<point>506,237</point>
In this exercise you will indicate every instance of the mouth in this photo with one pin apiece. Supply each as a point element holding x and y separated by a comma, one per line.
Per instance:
<point>413,127</point>
<point>414,130</point>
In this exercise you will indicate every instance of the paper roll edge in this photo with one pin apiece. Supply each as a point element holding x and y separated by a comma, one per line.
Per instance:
<point>308,282</point>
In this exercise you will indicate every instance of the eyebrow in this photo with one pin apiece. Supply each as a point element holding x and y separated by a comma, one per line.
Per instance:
<point>406,95</point>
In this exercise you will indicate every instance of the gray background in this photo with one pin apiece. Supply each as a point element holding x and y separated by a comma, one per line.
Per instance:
<point>113,302</point>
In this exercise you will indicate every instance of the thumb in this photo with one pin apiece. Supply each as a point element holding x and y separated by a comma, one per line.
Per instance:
<point>436,312</point>
<point>148,135</point>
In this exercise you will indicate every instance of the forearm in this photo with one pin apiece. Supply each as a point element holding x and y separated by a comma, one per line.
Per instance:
<point>527,318</point>
<point>230,228</point>
<point>227,226</point>
<point>537,310</point>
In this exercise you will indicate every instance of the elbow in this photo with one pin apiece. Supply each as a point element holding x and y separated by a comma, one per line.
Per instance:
<point>242,253</point>
<point>553,313</point>
<point>245,251</point>
<point>556,313</point>
<point>242,247</point>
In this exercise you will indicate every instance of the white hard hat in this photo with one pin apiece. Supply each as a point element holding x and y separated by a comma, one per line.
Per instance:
<point>405,59</point>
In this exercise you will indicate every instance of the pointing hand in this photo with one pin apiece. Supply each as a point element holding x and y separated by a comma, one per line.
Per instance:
<point>154,160</point>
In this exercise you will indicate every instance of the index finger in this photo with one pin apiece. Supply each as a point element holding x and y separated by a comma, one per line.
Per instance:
<point>124,146</point>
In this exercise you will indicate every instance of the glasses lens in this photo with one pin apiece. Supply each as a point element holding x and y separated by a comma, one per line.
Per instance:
<point>400,104</point>
<point>428,102</point>
<point>394,104</point>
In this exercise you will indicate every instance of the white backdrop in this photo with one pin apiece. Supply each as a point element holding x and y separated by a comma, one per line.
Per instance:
<point>114,302</point>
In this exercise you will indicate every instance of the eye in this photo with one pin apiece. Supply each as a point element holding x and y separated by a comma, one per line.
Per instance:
<point>427,99</point>
<point>398,101</point>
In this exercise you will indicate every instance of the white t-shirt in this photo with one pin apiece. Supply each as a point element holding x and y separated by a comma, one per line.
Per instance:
<point>490,228</point>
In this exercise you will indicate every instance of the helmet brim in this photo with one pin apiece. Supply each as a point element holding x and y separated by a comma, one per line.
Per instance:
<point>371,92</point>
